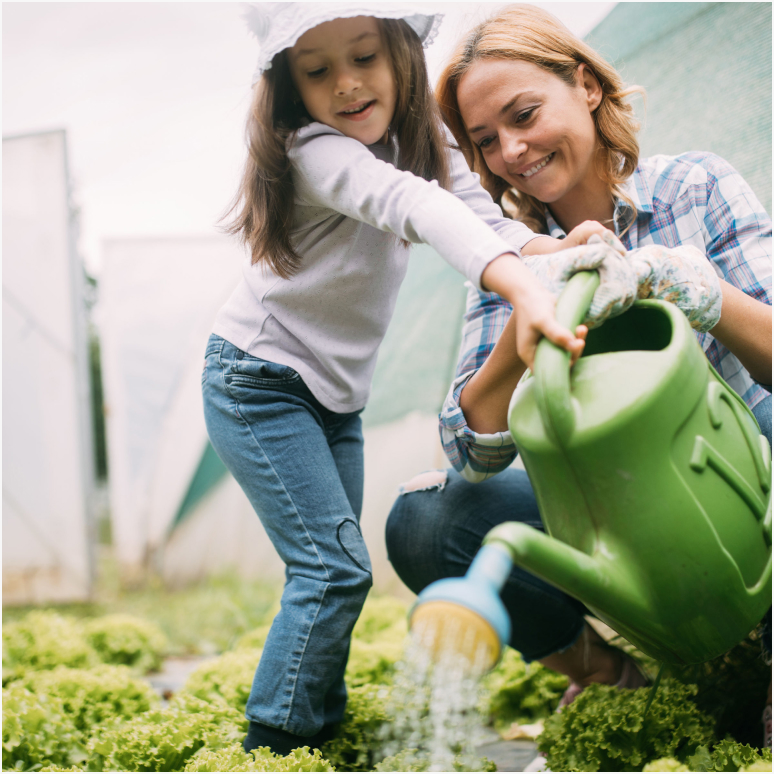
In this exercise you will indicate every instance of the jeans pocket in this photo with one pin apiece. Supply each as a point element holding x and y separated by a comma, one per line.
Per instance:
<point>247,369</point>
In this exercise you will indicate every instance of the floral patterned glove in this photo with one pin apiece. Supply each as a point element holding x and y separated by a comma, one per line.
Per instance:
<point>618,283</point>
<point>682,276</point>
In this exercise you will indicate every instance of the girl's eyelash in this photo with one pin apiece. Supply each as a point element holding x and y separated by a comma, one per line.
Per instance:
<point>365,59</point>
<point>525,114</point>
<point>316,73</point>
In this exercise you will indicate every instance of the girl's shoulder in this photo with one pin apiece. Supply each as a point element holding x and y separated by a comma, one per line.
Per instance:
<point>323,143</point>
<point>309,132</point>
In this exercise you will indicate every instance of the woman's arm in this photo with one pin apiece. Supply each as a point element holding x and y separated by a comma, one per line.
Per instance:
<point>744,328</point>
<point>484,399</point>
<point>476,455</point>
<point>737,235</point>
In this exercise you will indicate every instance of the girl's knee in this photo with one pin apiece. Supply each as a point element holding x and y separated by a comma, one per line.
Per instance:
<point>355,566</point>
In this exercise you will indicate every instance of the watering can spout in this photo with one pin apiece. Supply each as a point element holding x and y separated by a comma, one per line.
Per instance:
<point>574,572</point>
<point>465,617</point>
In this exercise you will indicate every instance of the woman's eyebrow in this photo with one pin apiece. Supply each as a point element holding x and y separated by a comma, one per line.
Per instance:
<point>357,39</point>
<point>503,110</point>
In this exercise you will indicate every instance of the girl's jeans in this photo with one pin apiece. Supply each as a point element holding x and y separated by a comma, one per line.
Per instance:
<point>301,467</point>
<point>435,532</point>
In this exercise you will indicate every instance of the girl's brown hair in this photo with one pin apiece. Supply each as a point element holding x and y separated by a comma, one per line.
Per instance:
<point>529,34</point>
<point>263,205</point>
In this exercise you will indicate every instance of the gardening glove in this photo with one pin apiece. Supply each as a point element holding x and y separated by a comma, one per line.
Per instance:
<point>682,276</point>
<point>617,289</point>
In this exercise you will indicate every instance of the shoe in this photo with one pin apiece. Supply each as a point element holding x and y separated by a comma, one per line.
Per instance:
<point>283,742</point>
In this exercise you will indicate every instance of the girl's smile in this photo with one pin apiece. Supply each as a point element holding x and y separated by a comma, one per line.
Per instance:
<point>358,112</point>
<point>343,73</point>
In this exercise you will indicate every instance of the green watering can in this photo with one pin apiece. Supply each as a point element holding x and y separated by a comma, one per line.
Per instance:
<point>654,485</point>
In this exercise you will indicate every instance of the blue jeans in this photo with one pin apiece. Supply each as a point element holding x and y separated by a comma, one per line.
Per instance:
<point>435,532</point>
<point>301,467</point>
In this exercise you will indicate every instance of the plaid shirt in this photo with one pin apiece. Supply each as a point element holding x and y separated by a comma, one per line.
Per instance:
<point>694,198</point>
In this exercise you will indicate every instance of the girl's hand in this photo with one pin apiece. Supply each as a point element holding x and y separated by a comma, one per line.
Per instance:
<point>533,307</point>
<point>618,285</point>
<point>684,277</point>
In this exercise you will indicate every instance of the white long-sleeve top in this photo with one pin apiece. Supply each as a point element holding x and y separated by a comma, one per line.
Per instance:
<point>352,206</point>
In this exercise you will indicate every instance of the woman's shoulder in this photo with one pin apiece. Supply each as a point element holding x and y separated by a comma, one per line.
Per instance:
<point>684,170</point>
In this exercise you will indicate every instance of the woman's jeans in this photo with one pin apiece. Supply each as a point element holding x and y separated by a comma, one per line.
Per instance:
<point>435,532</point>
<point>301,467</point>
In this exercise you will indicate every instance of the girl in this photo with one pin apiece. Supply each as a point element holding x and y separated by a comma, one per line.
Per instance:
<point>347,165</point>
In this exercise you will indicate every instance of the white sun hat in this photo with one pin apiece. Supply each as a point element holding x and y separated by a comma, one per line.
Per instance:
<point>278,26</point>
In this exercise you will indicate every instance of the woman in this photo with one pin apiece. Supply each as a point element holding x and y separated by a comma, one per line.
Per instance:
<point>543,119</point>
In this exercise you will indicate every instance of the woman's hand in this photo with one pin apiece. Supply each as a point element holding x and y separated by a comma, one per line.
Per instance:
<point>683,276</point>
<point>542,245</point>
<point>604,253</point>
<point>533,307</point>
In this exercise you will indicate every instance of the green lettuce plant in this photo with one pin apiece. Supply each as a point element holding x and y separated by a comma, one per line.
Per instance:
<point>732,689</point>
<point>234,758</point>
<point>127,640</point>
<point>164,739</point>
<point>228,677</point>
<point>357,739</point>
<point>90,697</point>
<point>605,729</point>
<point>520,693</point>
<point>372,663</point>
<point>728,755</point>
<point>665,764</point>
<point>407,760</point>
<point>382,618</point>
<point>253,640</point>
<point>44,640</point>
<point>37,731</point>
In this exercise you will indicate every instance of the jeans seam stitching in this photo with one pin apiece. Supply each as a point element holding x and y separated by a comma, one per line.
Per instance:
<point>284,487</point>
<point>297,669</point>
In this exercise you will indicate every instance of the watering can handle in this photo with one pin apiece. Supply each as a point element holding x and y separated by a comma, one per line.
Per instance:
<point>552,363</point>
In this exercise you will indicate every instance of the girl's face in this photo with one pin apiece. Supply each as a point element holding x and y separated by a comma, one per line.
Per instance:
<point>343,73</point>
<point>534,130</point>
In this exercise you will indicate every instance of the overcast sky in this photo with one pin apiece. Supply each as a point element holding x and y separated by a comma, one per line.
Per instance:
<point>153,97</point>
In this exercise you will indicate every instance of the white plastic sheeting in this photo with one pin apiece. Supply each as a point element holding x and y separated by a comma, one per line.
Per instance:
<point>47,444</point>
<point>158,299</point>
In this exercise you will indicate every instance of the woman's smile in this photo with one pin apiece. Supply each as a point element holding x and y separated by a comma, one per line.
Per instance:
<point>533,129</point>
<point>536,168</point>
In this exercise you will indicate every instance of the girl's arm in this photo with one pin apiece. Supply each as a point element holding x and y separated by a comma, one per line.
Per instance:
<point>341,174</point>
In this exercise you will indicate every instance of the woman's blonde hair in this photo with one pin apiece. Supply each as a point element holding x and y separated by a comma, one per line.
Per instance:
<point>530,34</point>
<point>263,207</point>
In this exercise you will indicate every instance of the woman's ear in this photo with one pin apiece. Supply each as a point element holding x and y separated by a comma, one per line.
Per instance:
<point>588,81</point>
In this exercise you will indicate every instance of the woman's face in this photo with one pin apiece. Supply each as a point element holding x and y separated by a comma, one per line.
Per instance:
<point>534,130</point>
